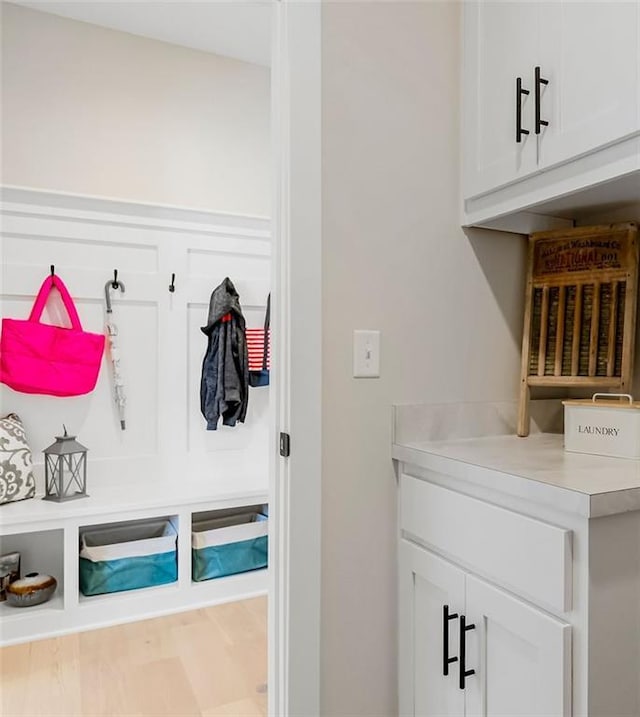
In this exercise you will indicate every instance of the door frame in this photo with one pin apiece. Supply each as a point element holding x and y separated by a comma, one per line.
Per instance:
<point>295,481</point>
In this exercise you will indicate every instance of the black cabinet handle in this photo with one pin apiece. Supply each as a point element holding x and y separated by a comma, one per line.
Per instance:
<point>519,92</point>
<point>539,81</point>
<point>446,660</point>
<point>464,628</point>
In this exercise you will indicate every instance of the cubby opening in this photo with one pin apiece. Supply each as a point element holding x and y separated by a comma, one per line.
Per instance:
<point>40,552</point>
<point>228,542</point>
<point>126,557</point>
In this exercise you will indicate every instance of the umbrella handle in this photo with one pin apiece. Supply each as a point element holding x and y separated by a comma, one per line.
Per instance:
<point>107,292</point>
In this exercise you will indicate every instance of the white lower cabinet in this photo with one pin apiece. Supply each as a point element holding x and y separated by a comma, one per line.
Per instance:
<point>522,657</point>
<point>547,584</point>
<point>428,587</point>
<point>469,649</point>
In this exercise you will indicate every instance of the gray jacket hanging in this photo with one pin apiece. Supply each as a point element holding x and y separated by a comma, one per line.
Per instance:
<point>224,387</point>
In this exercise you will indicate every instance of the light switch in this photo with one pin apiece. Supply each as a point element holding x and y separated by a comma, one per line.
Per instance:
<point>366,354</point>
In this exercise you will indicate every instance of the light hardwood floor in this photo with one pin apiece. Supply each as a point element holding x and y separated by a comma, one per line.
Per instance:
<point>206,663</point>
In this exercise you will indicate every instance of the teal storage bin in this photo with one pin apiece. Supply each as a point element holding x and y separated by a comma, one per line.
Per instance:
<point>228,545</point>
<point>127,556</point>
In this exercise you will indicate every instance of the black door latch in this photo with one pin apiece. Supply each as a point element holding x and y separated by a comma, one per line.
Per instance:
<point>285,445</point>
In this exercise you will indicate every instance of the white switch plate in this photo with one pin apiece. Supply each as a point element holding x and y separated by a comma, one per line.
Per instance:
<point>366,354</point>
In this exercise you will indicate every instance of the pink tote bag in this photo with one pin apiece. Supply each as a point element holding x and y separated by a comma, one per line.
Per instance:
<point>52,360</point>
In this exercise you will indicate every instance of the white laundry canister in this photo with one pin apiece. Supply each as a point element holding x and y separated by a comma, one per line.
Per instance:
<point>604,425</point>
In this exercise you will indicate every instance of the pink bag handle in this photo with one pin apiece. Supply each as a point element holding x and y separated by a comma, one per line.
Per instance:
<point>38,307</point>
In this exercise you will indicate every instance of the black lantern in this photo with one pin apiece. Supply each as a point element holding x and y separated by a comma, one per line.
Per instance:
<point>65,469</point>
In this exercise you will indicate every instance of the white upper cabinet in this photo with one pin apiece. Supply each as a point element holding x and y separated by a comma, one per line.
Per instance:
<point>500,42</point>
<point>579,63</point>
<point>589,54</point>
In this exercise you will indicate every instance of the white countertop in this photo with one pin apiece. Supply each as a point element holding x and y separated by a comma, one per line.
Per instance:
<point>536,468</point>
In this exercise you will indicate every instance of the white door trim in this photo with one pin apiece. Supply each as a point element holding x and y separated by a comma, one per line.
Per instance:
<point>294,605</point>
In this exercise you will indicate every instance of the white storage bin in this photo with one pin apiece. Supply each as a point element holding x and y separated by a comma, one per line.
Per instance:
<point>127,556</point>
<point>228,545</point>
<point>603,426</point>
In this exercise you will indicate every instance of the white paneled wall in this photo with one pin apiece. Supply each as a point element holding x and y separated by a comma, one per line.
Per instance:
<point>161,344</point>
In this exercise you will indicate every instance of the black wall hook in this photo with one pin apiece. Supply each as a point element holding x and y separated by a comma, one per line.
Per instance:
<point>115,284</point>
<point>172,285</point>
<point>53,270</point>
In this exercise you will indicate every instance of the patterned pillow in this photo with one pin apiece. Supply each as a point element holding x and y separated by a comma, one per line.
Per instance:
<point>16,477</point>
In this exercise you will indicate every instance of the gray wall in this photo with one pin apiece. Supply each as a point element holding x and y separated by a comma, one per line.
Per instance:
<point>449,306</point>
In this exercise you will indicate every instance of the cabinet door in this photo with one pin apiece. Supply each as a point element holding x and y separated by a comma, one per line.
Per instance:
<point>521,657</point>
<point>427,584</point>
<point>590,55</point>
<point>500,44</point>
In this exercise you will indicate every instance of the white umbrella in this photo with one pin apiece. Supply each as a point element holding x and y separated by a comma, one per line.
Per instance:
<point>114,351</point>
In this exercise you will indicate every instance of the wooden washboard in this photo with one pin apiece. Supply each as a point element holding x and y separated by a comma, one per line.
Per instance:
<point>580,311</point>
